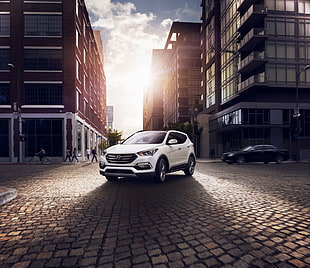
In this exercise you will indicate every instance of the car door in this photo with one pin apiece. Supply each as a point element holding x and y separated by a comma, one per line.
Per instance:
<point>183,148</point>
<point>254,154</point>
<point>176,150</point>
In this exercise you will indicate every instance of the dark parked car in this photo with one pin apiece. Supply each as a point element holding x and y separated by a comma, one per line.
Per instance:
<point>256,153</point>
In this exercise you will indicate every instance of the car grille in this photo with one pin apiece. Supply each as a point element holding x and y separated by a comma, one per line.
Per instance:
<point>121,158</point>
<point>119,171</point>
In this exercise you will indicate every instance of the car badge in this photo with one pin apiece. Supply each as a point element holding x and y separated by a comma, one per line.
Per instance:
<point>118,157</point>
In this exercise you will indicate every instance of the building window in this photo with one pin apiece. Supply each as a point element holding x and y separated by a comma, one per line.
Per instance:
<point>43,25</point>
<point>43,59</point>
<point>77,5</point>
<point>43,133</point>
<point>5,94</point>
<point>78,70</point>
<point>255,116</point>
<point>78,99</point>
<point>43,94</point>
<point>4,24</point>
<point>210,86</point>
<point>85,107</point>
<point>4,58</point>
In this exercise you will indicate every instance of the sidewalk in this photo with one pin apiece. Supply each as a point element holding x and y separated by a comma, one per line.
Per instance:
<point>7,194</point>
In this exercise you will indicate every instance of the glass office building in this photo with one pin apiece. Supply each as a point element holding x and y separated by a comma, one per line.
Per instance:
<point>255,60</point>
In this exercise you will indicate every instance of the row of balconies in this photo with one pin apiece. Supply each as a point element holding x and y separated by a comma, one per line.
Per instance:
<point>254,80</point>
<point>243,5</point>
<point>253,38</point>
<point>251,17</point>
<point>252,61</point>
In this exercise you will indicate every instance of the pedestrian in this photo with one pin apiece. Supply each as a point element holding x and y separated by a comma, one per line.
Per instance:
<point>68,155</point>
<point>94,153</point>
<point>74,155</point>
<point>88,153</point>
<point>41,153</point>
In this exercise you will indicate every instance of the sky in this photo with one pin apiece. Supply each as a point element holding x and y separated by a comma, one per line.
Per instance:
<point>130,30</point>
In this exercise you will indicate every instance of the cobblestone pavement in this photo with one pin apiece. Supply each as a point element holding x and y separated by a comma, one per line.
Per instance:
<point>252,215</point>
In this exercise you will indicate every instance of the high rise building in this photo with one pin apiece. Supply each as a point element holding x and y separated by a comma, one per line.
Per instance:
<point>153,96</point>
<point>255,73</point>
<point>175,92</point>
<point>110,118</point>
<point>52,80</point>
<point>182,82</point>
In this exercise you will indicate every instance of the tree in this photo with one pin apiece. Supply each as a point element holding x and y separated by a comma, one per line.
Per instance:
<point>114,137</point>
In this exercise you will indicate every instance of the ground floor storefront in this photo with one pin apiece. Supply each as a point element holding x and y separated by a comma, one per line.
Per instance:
<point>23,135</point>
<point>263,123</point>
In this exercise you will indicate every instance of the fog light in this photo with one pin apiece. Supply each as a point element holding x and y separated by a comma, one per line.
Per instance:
<point>143,165</point>
<point>101,164</point>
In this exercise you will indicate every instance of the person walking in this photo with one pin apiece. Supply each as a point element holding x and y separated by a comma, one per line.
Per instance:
<point>68,155</point>
<point>212,154</point>
<point>88,153</point>
<point>94,153</point>
<point>74,155</point>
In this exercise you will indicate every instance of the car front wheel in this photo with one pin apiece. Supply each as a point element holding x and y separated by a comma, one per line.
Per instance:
<point>240,160</point>
<point>279,159</point>
<point>161,170</point>
<point>189,171</point>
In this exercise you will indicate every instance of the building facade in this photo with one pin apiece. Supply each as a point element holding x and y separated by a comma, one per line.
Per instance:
<point>182,75</point>
<point>153,96</point>
<point>52,81</point>
<point>110,118</point>
<point>255,60</point>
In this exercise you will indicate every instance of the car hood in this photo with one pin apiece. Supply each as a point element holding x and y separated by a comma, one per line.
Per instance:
<point>232,152</point>
<point>130,148</point>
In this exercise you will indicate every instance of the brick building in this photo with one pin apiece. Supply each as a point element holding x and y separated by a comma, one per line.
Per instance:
<point>52,81</point>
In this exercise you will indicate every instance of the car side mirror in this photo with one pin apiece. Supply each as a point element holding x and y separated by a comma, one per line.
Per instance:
<point>172,141</point>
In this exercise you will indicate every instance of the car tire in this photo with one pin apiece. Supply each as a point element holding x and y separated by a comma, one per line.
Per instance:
<point>189,171</point>
<point>110,178</point>
<point>240,160</point>
<point>161,170</point>
<point>279,159</point>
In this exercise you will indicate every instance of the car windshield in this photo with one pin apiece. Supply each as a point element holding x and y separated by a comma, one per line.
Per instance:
<point>151,137</point>
<point>248,148</point>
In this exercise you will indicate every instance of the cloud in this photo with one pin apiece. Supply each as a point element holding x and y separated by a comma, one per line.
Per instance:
<point>128,38</point>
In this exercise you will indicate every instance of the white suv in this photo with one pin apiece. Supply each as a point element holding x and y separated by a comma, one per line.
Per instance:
<point>152,153</point>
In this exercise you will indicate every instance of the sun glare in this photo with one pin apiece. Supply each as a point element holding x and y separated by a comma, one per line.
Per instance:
<point>138,79</point>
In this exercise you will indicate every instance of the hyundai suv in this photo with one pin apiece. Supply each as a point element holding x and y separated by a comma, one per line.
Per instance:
<point>153,153</point>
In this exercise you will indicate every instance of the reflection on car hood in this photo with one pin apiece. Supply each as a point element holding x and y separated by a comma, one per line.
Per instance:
<point>130,148</point>
<point>233,152</point>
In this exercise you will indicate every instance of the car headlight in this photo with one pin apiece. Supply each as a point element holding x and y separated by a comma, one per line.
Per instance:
<point>148,153</point>
<point>231,154</point>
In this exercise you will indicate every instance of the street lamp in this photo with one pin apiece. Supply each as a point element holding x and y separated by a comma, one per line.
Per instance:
<point>17,108</point>
<point>296,114</point>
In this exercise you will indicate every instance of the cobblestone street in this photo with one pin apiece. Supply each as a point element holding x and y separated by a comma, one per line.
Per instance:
<point>67,215</point>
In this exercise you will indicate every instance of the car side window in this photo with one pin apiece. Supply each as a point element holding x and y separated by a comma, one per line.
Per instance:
<point>181,138</point>
<point>178,136</point>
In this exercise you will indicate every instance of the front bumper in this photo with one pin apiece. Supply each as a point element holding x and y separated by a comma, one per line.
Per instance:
<point>139,167</point>
<point>122,174</point>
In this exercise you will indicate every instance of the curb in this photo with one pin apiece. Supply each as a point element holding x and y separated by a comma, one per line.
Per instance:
<point>7,194</point>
